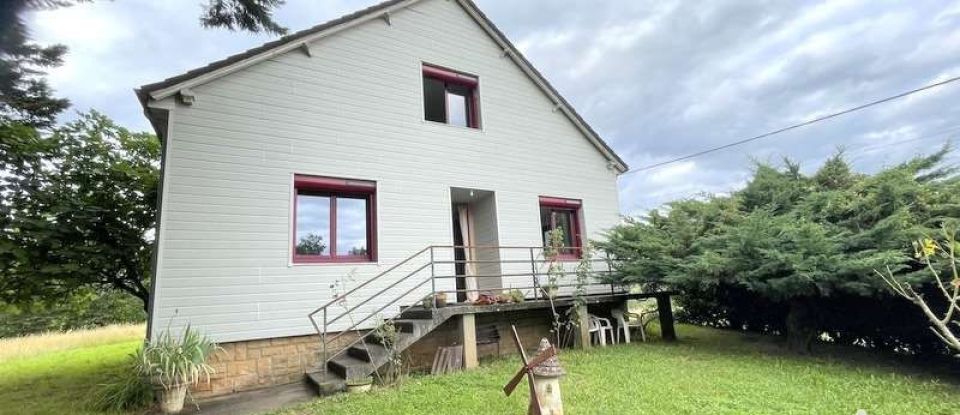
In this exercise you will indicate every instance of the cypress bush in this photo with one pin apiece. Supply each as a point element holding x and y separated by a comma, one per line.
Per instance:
<point>794,254</point>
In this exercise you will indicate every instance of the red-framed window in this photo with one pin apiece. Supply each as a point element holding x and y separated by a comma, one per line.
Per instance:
<point>565,214</point>
<point>334,220</point>
<point>450,97</point>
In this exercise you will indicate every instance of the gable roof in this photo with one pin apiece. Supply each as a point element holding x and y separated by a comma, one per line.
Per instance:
<point>171,86</point>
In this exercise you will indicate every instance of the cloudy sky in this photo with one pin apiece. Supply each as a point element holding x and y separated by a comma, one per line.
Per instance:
<point>657,79</point>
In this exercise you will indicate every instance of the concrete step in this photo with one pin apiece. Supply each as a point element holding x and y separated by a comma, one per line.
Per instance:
<point>407,325</point>
<point>326,383</point>
<point>369,352</point>
<point>349,367</point>
<point>416,313</point>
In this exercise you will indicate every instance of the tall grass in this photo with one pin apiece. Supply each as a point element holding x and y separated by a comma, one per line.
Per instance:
<point>37,344</point>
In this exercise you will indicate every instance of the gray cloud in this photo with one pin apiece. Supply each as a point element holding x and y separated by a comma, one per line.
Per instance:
<point>657,79</point>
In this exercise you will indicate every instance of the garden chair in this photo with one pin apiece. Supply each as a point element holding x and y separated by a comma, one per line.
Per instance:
<point>639,316</point>
<point>627,321</point>
<point>602,328</point>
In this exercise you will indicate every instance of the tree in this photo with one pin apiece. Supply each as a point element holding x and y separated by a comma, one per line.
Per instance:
<point>78,202</point>
<point>792,253</point>
<point>25,96</point>
<point>940,259</point>
<point>249,15</point>
<point>78,210</point>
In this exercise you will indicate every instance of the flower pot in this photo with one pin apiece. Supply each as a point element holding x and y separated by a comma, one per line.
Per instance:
<point>171,398</point>
<point>360,386</point>
<point>441,301</point>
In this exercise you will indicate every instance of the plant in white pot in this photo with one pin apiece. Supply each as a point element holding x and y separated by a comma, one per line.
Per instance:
<point>174,364</point>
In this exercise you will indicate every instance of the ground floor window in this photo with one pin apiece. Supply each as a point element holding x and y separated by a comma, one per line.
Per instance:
<point>334,220</point>
<point>563,214</point>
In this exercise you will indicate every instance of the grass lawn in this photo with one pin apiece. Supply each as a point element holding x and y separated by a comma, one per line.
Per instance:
<point>708,372</point>
<point>37,376</point>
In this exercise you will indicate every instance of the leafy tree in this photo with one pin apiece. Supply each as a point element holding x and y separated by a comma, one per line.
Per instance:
<point>78,210</point>
<point>795,254</point>
<point>78,202</point>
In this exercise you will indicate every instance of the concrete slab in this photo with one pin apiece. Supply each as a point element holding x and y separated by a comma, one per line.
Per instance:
<point>255,401</point>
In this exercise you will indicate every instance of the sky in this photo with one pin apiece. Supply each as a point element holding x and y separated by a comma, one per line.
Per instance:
<point>657,79</point>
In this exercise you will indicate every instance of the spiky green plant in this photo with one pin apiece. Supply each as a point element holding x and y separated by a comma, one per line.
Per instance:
<point>169,361</point>
<point>126,391</point>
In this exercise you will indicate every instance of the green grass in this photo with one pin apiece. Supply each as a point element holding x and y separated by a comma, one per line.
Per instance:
<point>708,372</point>
<point>60,382</point>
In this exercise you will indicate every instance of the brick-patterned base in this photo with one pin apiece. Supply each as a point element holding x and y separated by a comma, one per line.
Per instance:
<point>260,363</point>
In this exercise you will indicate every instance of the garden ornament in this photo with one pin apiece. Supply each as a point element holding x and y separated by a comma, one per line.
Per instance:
<point>543,374</point>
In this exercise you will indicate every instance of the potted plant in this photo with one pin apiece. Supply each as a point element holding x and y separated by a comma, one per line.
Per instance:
<point>359,385</point>
<point>441,299</point>
<point>173,365</point>
<point>438,299</point>
<point>516,296</point>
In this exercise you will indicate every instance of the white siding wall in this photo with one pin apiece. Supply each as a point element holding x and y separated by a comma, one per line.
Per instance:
<point>353,110</point>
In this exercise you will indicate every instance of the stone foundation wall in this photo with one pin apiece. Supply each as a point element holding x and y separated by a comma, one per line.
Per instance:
<point>260,363</point>
<point>256,364</point>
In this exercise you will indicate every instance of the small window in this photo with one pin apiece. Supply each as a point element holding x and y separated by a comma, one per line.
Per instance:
<point>564,214</point>
<point>334,220</point>
<point>450,97</point>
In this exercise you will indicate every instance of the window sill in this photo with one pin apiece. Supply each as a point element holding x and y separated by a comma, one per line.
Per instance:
<point>458,127</point>
<point>332,263</point>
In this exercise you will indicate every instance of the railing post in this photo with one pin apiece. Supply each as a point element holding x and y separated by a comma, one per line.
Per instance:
<point>433,280</point>
<point>323,337</point>
<point>609,270</point>
<point>533,273</point>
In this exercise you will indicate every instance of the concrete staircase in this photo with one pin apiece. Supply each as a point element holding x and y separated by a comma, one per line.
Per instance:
<point>363,357</point>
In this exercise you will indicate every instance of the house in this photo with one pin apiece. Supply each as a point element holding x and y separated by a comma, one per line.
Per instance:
<point>346,157</point>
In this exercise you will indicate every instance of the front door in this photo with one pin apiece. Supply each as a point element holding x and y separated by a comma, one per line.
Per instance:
<point>475,235</point>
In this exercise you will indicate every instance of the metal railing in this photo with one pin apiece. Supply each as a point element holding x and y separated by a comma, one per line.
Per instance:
<point>443,269</point>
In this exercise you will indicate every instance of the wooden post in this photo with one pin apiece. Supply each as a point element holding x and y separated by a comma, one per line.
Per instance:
<point>468,335</point>
<point>665,311</point>
<point>582,341</point>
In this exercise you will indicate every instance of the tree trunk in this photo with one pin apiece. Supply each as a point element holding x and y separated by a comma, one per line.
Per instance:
<point>801,326</point>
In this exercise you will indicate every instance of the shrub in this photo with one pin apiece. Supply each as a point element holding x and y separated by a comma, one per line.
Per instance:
<point>795,254</point>
<point>127,391</point>
<point>84,310</point>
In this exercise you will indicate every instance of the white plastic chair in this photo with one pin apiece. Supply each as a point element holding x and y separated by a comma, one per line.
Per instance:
<point>602,328</point>
<point>624,325</point>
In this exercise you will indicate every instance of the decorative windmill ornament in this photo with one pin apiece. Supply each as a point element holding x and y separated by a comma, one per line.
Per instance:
<point>543,374</point>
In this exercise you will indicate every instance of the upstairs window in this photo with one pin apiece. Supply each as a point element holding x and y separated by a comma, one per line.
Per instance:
<point>563,214</point>
<point>450,97</point>
<point>334,220</point>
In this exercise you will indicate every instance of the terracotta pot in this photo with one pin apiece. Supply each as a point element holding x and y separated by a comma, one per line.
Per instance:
<point>441,301</point>
<point>171,398</point>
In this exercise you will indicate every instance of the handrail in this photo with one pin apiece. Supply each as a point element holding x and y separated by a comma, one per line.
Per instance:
<point>379,310</point>
<point>363,284</point>
<point>398,281</point>
<point>534,260</point>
